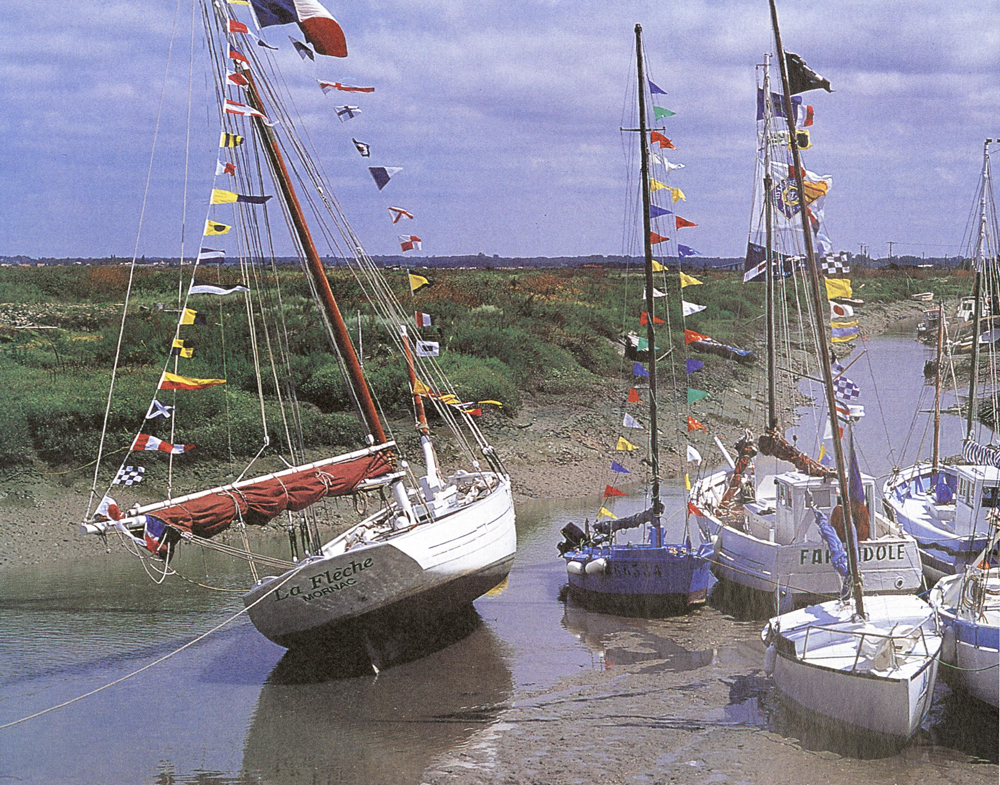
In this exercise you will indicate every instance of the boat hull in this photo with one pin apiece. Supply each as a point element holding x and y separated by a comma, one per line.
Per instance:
<point>943,551</point>
<point>834,677</point>
<point>640,579</point>
<point>375,595</point>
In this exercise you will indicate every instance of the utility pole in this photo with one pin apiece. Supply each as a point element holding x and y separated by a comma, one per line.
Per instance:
<point>890,251</point>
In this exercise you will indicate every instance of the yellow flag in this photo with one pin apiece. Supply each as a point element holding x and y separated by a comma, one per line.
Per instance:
<point>689,280</point>
<point>625,445</point>
<point>604,512</point>
<point>687,481</point>
<point>656,185</point>
<point>838,287</point>
<point>180,349</point>
<point>843,339</point>
<point>852,323</point>
<point>213,228</point>
<point>657,267</point>
<point>420,388</point>
<point>417,282</point>
<point>222,197</point>
<point>494,403</point>
<point>822,452</point>
<point>677,194</point>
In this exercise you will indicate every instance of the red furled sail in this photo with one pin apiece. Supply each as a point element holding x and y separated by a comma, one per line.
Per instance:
<point>257,502</point>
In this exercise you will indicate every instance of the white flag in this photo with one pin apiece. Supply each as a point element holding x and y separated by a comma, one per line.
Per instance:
<point>346,113</point>
<point>838,311</point>
<point>157,409</point>
<point>428,348</point>
<point>656,293</point>
<point>690,309</point>
<point>693,454</point>
<point>207,288</point>
<point>631,422</point>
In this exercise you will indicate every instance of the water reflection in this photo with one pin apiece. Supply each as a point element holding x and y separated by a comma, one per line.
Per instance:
<point>311,728</point>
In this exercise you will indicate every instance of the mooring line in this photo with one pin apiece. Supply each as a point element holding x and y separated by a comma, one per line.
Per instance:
<point>165,657</point>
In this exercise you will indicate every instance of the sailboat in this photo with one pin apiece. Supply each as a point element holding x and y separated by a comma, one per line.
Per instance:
<point>768,546</point>
<point>867,664</point>
<point>969,607</point>
<point>605,570</point>
<point>946,507</point>
<point>437,539</point>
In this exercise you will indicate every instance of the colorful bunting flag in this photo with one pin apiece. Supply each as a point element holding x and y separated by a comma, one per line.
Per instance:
<point>656,293</point>
<point>146,443</point>
<point>191,316</point>
<point>314,20</point>
<point>382,174</point>
<point>220,196</point>
<point>399,213</point>
<point>237,27</point>
<point>238,57</point>
<point>801,77</point>
<point>690,309</point>
<point>662,161</point>
<point>644,319</point>
<point>230,140</point>
<point>689,280</point>
<point>659,112</point>
<point>624,445</point>
<point>684,251</point>
<point>681,223</point>
<point>690,336</point>
<point>303,50</point>
<point>129,475</point>
<point>345,113</point>
<point>610,490</point>
<point>838,287</point>
<point>344,88</point>
<point>237,78</point>
<point>694,425</point>
<point>617,467</point>
<point>655,211</point>
<point>631,422</point>
<point>213,228</point>
<point>633,395</point>
<point>676,194</point>
<point>157,410</point>
<point>654,186</point>
<point>693,455</point>
<point>211,254</point>
<point>844,334</point>
<point>235,107</point>
<point>409,242</point>
<point>654,90</point>
<point>661,140</point>
<point>224,167</point>
<point>696,395</point>
<point>657,267</point>
<point>838,311</point>
<point>428,349</point>
<point>181,349</point>
<point>423,319</point>
<point>260,41</point>
<point>417,282</point>
<point>638,369</point>
<point>364,149</point>
<point>107,510</point>
<point>172,381</point>
<point>604,512</point>
<point>655,238</point>
<point>693,366</point>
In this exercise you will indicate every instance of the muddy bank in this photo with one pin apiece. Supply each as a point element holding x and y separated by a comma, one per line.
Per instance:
<point>556,447</point>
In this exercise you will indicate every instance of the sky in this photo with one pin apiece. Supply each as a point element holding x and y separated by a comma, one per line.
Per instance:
<point>505,117</point>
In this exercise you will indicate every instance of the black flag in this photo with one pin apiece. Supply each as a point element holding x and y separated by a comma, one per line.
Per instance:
<point>802,78</point>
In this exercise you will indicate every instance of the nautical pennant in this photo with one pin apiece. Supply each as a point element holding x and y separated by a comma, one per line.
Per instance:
<point>207,288</point>
<point>696,395</point>
<point>835,266</point>
<point>213,228</point>
<point>690,309</point>
<point>610,490</point>
<point>633,395</point>
<point>181,349</point>
<point>639,370</point>
<point>235,107</point>
<point>631,422</point>
<point>157,410</point>
<point>662,161</point>
<point>656,293</point>
<point>655,185</point>
<point>399,213</point>
<point>208,254</point>
<point>693,455</point>
<point>417,282</point>
<point>653,89</point>
<point>237,27</point>
<point>694,425</point>
<point>129,475</point>
<point>230,140</point>
<point>684,251</point>
<point>661,140</point>
<point>303,50</point>
<point>604,512</point>
<point>107,510</point>
<point>172,381</point>
<point>423,319</point>
<point>655,211</point>
<point>801,77</point>
<point>346,113</point>
<point>220,196</point>
<point>409,242</point>
<point>260,41</point>
<point>344,88</point>
<point>655,238</point>
<point>382,174</point>
<point>146,443</point>
<point>689,280</point>
<point>624,445</point>
<point>838,287</point>
<point>690,336</point>
<point>191,316</point>
<point>844,334</point>
<point>838,311</point>
<point>364,149</point>
<point>676,194</point>
<point>618,468</point>
<point>693,366</point>
<point>644,319</point>
<point>659,112</point>
<point>427,349</point>
<point>224,167</point>
<point>239,58</point>
<point>314,20</point>
<point>681,223</point>
<point>236,78</point>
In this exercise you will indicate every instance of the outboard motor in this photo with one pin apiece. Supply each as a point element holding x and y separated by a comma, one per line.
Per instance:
<point>574,535</point>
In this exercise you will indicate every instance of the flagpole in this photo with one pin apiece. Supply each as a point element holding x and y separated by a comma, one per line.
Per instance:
<point>772,360</point>
<point>818,302</point>
<point>936,452</point>
<point>654,452</point>
<point>978,265</point>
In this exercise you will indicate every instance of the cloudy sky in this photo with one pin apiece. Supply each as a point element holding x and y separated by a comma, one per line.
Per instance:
<point>505,117</point>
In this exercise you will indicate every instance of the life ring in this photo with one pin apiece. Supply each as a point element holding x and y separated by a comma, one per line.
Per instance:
<point>859,515</point>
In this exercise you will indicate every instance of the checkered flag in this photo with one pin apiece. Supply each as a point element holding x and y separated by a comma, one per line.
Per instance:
<point>129,475</point>
<point>844,390</point>
<point>835,266</point>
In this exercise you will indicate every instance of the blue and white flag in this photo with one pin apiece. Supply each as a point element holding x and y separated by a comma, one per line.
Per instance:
<point>684,251</point>
<point>346,113</point>
<point>157,409</point>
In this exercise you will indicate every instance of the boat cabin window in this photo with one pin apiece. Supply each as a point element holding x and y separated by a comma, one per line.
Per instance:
<point>965,490</point>
<point>821,497</point>
<point>991,497</point>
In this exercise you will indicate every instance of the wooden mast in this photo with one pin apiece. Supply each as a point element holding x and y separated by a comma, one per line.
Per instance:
<point>977,308</point>
<point>772,352</point>
<point>820,305</point>
<point>654,452</point>
<point>315,266</point>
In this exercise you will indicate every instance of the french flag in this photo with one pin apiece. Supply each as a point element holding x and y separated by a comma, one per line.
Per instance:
<point>423,319</point>
<point>317,24</point>
<point>154,534</point>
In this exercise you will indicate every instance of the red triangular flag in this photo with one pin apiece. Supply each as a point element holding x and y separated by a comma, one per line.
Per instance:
<point>644,319</point>
<point>694,510</point>
<point>633,396</point>
<point>610,490</point>
<point>655,238</point>
<point>659,138</point>
<point>694,425</point>
<point>690,336</point>
<point>682,222</point>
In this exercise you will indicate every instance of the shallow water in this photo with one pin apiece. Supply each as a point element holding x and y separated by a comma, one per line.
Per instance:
<point>233,709</point>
